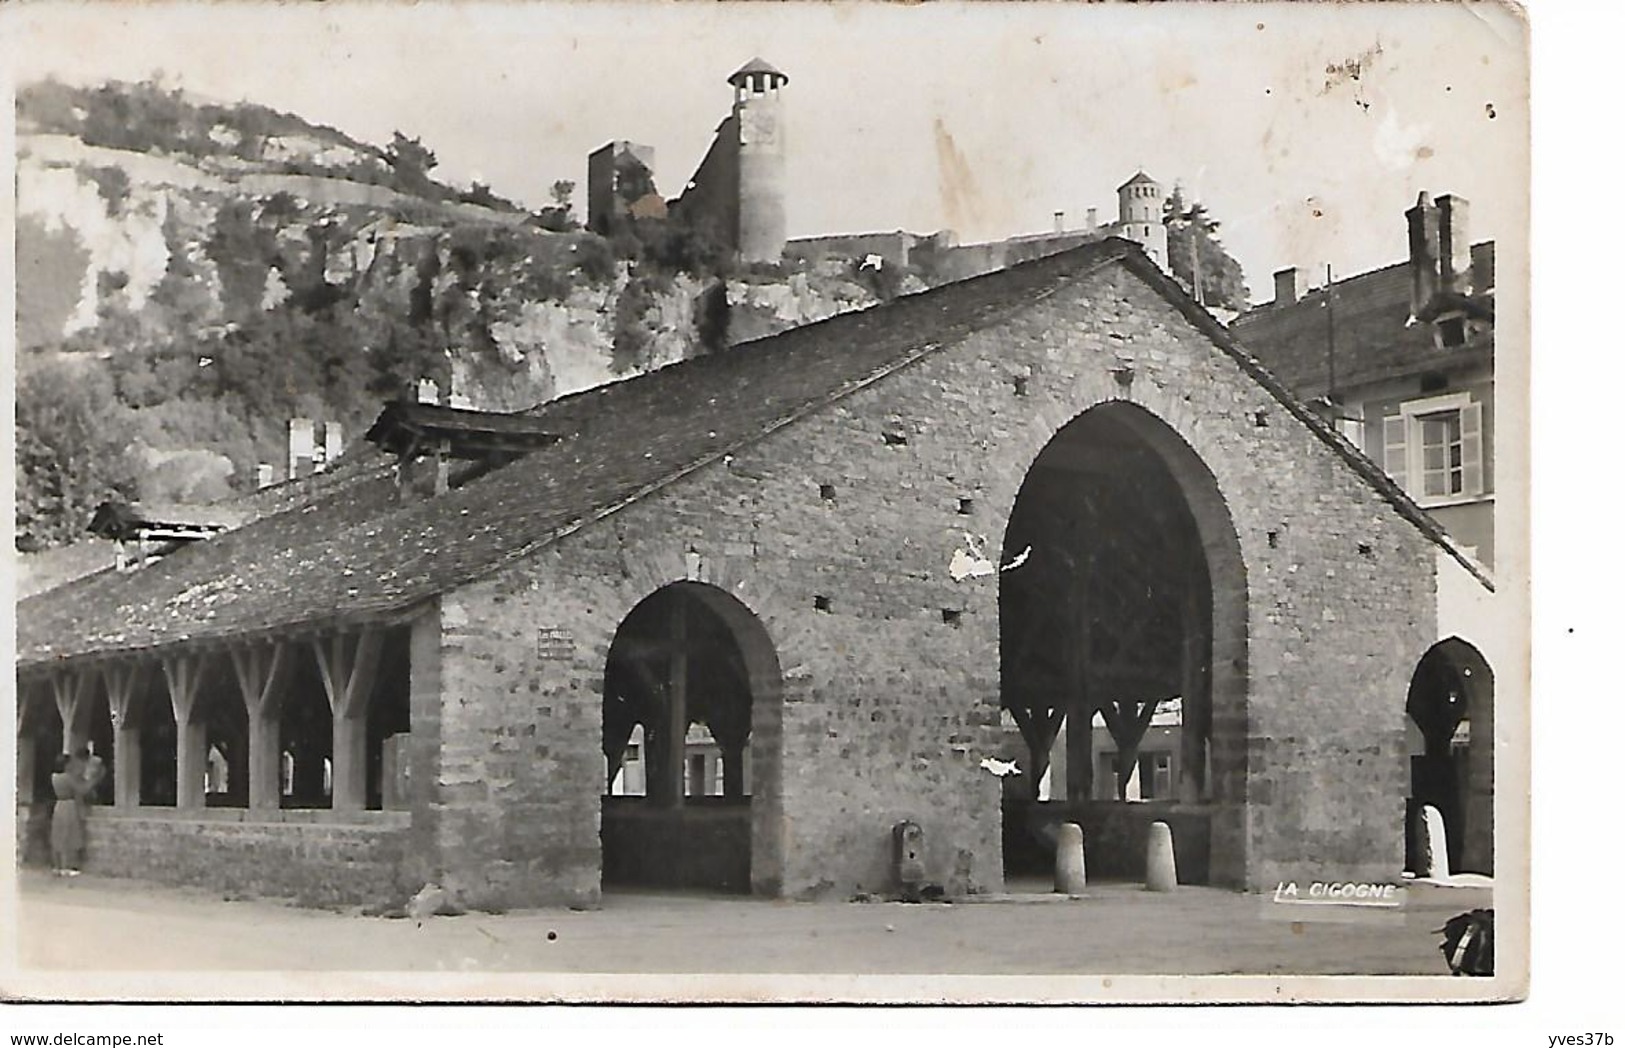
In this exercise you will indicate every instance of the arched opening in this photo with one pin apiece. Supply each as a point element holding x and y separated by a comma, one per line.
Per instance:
<point>1122,631</point>
<point>1451,736</point>
<point>691,690</point>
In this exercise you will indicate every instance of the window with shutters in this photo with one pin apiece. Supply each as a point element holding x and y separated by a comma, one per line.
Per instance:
<point>1434,448</point>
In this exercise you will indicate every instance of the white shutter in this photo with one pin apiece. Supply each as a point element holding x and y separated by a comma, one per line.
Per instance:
<point>1393,448</point>
<point>1472,449</point>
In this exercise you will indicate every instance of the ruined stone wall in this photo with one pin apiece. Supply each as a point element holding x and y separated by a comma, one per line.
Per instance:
<point>711,201</point>
<point>887,708</point>
<point>314,858</point>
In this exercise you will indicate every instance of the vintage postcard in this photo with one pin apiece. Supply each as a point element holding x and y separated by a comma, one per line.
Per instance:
<point>770,502</point>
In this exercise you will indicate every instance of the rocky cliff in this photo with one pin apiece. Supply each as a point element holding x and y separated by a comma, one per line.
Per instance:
<point>204,272</point>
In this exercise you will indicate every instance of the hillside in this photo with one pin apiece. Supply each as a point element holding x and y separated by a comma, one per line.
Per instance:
<point>191,275</point>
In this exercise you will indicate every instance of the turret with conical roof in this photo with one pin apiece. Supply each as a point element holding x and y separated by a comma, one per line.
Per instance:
<point>758,114</point>
<point>1139,216</point>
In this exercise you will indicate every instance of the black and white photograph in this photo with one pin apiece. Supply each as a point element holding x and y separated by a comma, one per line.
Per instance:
<point>852,502</point>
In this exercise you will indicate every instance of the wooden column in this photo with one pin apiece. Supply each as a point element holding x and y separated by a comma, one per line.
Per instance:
<point>27,746</point>
<point>184,675</point>
<point>1195,693</point>
<point>263,672</point>
<point>126,687</point>
<point>349,665</point>
<point>71,691</point>
<point>1080,710</point>
<point>1038,730</point>
<point>676,735</point>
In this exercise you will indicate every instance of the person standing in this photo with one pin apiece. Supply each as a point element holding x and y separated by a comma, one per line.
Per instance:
<point>73,779</point>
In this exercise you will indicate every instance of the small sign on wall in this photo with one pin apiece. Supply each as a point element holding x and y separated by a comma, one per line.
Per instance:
<point>554,643</point>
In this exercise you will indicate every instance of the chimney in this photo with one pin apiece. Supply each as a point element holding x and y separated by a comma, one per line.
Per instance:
<point>301,447</point>
<point>428,391</point>
<point>264,475</point>
<point>1484,267</point>
<point>1091,219</point>
<point>1290,284</point>
<point>1060,221</point>
<point>1455,252</point>
<point>1423,223</point>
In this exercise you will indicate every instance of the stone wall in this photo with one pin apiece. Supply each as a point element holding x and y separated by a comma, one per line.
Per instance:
<point>314,857</point>
<point>838,541</point>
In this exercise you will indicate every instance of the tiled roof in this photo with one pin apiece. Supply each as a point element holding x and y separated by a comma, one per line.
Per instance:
<point>342,547</point>
<point>1374,337</point>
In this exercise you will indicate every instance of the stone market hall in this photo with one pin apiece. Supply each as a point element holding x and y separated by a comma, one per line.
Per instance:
<point>847,556</point>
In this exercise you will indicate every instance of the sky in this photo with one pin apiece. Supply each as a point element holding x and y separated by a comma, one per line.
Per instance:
<point>1306,130</point>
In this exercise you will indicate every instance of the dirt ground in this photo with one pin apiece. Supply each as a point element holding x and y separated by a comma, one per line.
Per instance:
<point>90,923</point>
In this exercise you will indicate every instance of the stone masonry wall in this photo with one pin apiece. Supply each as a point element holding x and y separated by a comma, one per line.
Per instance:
<point>306,856</point>
<point>886,708</point>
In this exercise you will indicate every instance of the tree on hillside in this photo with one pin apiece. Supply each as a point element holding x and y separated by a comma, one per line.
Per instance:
<point>73,450</point>
<point>412,161</point>
<point>1197,258</point>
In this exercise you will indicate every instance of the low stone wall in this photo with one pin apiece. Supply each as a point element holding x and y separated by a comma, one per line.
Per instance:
<point>1114,836</point>
<point>705,844</point>
<point>314,857</point>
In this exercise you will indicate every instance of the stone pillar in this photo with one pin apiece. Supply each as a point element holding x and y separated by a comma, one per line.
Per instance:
<point>1433,854</point>
<point>1160,871</point>
<point>1070,876</point>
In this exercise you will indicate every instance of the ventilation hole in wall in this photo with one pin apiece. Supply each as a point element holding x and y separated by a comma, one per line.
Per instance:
<point>1364,548</point>
<point>826,492</point>
<point>950,616</point>
<point>820,603</point>
<point>1275,539</point>
<point>1020,384</point>
<point>895,438</point>
<point>1261,418</point>
<point>965,507</point>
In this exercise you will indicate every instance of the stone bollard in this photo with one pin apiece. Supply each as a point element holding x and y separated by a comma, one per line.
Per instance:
<point>1160,873</point>
<point>1433,853</point>
<point>1069,868</point>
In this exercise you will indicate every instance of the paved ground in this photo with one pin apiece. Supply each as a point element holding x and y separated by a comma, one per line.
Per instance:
<point>91,923</point>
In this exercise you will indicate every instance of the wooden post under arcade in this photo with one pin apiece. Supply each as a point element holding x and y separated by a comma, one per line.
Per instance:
<point>676,735</point>
<point>1195,697</point>
<point>71,691</point>
<point>27,747</point>
<point>184,675</point>
<point>263,672</point>
<point>126,686</point>
<point>349,666</point>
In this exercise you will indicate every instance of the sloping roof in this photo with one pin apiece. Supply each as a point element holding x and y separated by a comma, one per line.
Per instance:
<point>121,520</point>
<point>359,554</point>
<point>403,425</point>
<point>1140,177</point>
<point>1373,336</point>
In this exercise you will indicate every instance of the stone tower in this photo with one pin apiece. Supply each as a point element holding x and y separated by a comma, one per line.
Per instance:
<point>1139,216</point>
<point>758,114</point>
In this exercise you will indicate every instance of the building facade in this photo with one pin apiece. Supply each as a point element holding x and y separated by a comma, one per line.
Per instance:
<point>1401,360</point>
<point>845,550</point>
